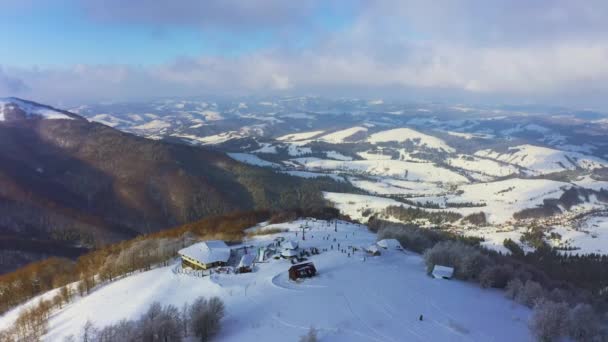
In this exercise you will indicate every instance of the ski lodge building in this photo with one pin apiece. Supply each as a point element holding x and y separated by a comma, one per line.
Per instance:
<point>205,255</point>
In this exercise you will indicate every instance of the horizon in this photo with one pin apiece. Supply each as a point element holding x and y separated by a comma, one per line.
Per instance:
<point>550,53</point>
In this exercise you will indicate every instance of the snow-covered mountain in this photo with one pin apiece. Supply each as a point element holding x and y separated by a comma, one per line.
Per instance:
<point>12,108</point>
<point>506,162</point>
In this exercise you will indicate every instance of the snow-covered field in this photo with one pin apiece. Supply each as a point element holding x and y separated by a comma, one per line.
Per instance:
<point>351,298</point>
<point>542,160</point>
<point>408,134</point>
<point>392,168</point>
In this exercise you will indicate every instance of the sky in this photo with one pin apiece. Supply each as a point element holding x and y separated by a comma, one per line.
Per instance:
<point>552,52</point>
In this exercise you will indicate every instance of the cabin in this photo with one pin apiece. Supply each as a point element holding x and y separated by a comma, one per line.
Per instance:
<point>390,244</point>
<point>290,245</point>
<point>289,253</point>
<point>373,250</point>
<point>301,271</point>
<point>205,255</point>
<point>246,263</point>
<point>289,249</point>
<point>442,272</point>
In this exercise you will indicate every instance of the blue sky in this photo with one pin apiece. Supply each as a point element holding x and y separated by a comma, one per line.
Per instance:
<point>508,51</point>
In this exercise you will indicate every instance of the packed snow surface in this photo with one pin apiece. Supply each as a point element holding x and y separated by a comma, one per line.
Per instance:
<point>351,299</point>
<point>408,134</point>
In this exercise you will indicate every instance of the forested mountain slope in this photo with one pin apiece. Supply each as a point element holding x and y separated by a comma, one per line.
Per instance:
<point>66,180</point>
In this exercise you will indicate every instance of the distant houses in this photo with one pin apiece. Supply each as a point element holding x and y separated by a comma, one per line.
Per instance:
<point>442,272</point>
<point>205,255</point>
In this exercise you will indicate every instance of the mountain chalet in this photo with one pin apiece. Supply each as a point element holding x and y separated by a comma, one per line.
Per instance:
<point>205,255</point>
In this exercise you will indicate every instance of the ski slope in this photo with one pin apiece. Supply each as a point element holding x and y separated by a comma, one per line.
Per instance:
<point>351,299</point>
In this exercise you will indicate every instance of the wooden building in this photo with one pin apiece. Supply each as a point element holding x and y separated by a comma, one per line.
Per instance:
<point>246,263</point>
<point>442,272</point>
<point>300,271</point>
<point>205,255</point>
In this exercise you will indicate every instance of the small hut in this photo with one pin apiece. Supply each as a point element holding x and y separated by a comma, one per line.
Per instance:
<point>373,250</point>
<point>390,244</point>
<point>442,272</point>
<point>289,253</point>
<point>246,263</point>
<point>289,245</point>
<point>301,271</point>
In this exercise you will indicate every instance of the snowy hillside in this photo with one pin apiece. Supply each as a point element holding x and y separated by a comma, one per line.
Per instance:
<point>407,134</point>
<point>29,109</point>
<point>542,160</point>
<point>351,299</point>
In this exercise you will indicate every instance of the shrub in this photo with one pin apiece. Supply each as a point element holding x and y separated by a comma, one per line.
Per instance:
<point>205,316</point>
<point>530,294</point>
<point>496,276</point>
<point>467,261</point>
<point>549,320</point>
<point>311,336</point>
<point>583,323</point>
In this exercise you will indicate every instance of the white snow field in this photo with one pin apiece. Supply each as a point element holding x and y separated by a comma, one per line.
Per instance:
<point>427,172</point>
<point>482,166</point>
<point>252,159</point>
<point>590,237</point>
<point>351,299</point>
<point>405,134</point>
<point>543,160</point>
<point>299,136</point>
<point>339,136</point>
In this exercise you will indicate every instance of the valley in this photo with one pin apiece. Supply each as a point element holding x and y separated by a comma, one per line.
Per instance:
<point>515,166</point>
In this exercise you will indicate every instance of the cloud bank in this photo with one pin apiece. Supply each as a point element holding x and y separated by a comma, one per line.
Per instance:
<point>553,52</point>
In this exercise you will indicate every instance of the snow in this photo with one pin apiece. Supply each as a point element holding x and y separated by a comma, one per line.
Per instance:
<point>252,160</point>
<point>389,186</point>
<point>211,139</point>
<point>351,299</point>
<point>590,237</point>
<point>299,136</point>
<point>301,116</point>
<point>373,156</point>
<point>337,155</point>
<point>355,205</point>
<point>30,109</point>
<point>543,160</point>
<point>306,174</point>
<point>407,134</point>
<point>153,125</point>
<point>482,166</point>
<point>503,198</point>
<point>393,168</point>
<point>340,136</point>
<point>266,148</point>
